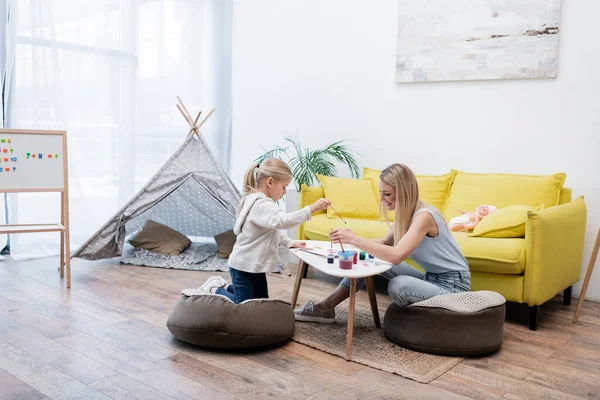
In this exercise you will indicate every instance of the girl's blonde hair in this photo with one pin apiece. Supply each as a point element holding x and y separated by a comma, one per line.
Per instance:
<point>257,173</point>
<point>405,184</point>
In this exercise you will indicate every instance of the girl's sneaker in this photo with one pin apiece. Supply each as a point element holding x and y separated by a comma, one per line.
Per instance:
<point>214,282</point>
<point>310,313</point>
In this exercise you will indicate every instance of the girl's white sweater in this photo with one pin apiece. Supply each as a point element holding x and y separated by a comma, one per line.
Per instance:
<point>257,227</point>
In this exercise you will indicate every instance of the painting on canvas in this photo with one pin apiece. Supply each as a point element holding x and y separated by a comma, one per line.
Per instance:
<point>458,40</point>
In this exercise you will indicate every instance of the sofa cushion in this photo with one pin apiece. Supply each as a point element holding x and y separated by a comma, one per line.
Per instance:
<point>351,198</point>
<point>319,226</point>
<point>502,190</point>
<point>498,256</point>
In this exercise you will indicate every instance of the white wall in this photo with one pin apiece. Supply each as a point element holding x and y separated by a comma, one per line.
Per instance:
<point>325,69</point>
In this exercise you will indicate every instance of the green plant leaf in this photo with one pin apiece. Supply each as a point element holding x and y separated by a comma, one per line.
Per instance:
<point>306,164</point>
<point>342,154</point>
<point>275,151</point>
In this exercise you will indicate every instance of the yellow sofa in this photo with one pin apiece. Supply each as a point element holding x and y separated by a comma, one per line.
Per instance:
<point>530,269</point>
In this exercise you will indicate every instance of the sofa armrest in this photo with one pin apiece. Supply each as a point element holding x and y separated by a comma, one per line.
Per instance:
<point>554,239</point>
<point>308,195</point>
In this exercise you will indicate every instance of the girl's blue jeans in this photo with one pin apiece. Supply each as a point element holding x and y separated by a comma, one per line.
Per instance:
<point>244,286</point>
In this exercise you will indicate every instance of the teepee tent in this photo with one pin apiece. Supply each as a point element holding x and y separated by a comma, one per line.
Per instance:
<point>191,193</point>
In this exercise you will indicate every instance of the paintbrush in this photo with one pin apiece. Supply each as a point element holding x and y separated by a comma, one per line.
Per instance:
<point>338,214</point>
<point>331,242</point>
<point>341,245</point>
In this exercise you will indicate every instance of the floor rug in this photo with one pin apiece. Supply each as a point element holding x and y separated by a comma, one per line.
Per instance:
<point>371,348</point>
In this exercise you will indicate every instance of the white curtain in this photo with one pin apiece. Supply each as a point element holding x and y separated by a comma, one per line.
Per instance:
<point>7,48</point>
<point>108,72</point>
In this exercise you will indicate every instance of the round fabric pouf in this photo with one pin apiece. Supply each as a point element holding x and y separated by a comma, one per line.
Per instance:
<point>214,321</point>
<point>457,324</point>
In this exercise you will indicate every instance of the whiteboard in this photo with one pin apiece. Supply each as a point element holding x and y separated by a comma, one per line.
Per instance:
<point>32,161</point>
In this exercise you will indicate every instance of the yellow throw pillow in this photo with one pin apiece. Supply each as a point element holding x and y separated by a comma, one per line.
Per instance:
<point>502,190</point>
<point>373,175</point>
<point>352,198</point>
<point>432,189</point>
<point>310,194</point>
<point>507,222</point>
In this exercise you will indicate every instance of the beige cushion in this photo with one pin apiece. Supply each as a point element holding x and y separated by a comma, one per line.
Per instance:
<point>160,238</point>
<point>214,321</point>
<point>225,242</point>
<point>464,302</point>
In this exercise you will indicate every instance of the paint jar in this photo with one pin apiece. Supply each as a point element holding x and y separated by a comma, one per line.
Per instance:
<point>362,255</point>
<point>354,257</point>
<point>346,259</point>
<point>330,258</point>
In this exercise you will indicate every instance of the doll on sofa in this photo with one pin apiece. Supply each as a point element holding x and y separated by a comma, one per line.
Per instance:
<point>469,220</point>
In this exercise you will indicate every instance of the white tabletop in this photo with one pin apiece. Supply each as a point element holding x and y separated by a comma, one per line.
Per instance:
<point>362,269</point>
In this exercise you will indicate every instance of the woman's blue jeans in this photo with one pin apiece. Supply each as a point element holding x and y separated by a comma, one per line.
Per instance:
<point>409,285</point>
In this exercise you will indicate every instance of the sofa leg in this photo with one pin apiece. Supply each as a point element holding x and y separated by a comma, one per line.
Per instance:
<point>533,318</point>
<point>567,296</point>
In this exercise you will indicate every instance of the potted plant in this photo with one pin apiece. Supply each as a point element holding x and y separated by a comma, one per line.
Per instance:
<point>306,164</point>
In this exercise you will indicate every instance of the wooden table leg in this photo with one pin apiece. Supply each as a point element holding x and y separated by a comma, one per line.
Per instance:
<point>373,300</point>
<point>350,320</point>
<point>299,275</point>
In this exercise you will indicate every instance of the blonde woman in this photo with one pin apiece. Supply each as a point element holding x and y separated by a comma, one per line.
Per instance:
<point>419,231</point>
<point>259,219</point>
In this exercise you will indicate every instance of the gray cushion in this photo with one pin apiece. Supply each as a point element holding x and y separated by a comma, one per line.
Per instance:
<point>214,321</point>
<point>458,324</point>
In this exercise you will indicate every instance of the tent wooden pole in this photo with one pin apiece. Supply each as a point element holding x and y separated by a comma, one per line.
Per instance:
<point>205,118</point>
<point>197,118</point>
<point>189,121</point>
<point>195,126</point>
<point>189,117</point>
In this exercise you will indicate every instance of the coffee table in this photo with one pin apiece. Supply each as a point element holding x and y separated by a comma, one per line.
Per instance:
<point>359,270</point>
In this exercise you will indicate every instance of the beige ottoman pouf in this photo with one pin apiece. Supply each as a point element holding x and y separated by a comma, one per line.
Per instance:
<point>458,324</point>
<point>214,321</point>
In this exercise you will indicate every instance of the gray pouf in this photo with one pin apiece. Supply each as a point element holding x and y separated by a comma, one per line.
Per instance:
<point>214,321</point>
<point>457,324</point>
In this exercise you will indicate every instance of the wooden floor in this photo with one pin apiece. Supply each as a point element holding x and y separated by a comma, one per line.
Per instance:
<point>106,338</point>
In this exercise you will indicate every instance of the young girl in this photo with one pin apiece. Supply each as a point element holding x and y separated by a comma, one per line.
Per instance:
<point>259,219</point>
<point>419,231</point>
